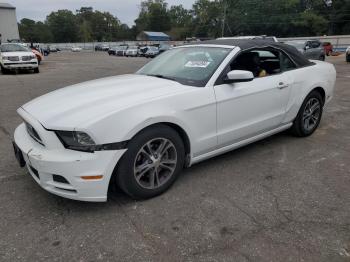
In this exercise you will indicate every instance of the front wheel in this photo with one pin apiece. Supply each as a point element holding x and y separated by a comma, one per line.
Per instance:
<point>153,161</point>
<point>36,70</point>
<point>309,116</point>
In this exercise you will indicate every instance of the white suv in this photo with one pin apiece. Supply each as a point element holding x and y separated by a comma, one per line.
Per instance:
<point>15,56</point>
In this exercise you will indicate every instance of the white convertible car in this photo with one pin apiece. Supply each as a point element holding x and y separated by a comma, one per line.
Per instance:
<point>191,103</point>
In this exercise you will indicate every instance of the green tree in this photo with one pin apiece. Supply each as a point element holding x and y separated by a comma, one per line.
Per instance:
<point>63,26</point>
<point>153,16</point>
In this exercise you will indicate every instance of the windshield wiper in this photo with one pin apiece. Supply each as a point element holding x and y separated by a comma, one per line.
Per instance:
<point>162,76</point>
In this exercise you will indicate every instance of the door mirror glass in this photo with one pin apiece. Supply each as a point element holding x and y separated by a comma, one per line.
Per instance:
<point>237,76</point>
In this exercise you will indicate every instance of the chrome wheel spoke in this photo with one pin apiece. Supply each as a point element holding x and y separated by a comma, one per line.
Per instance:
<point>155,163</point>
<point>311,114</point>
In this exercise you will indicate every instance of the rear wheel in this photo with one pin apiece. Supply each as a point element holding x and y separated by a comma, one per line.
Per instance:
<point>152,163</point>
<point>309,115</point>
<point>348,58</point>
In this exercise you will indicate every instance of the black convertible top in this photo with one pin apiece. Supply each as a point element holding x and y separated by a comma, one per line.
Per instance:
<point>246,44</point>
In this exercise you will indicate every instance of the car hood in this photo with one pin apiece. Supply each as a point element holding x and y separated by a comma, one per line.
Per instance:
<point>86,103</point>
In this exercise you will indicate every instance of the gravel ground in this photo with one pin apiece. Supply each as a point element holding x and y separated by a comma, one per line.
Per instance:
<point>280,199</point>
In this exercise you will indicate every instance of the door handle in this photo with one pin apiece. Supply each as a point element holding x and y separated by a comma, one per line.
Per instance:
<point>282,85</point>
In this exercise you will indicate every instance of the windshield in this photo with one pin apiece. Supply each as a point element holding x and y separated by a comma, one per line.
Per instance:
<point>13,48</point>
<point>133,47</point>
<point>187,65</point>
<point>123,47</point>
<point>298,45</point>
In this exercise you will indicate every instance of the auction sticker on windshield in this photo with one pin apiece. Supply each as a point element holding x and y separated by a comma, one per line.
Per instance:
<point>202,64</point>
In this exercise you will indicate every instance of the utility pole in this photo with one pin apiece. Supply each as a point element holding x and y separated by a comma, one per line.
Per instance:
<point>224,18</point>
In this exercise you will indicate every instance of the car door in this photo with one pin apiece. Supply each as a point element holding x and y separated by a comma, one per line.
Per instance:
<point>247,109</point>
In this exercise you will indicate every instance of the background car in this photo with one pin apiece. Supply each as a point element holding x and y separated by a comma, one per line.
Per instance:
<point>113,50</point>
<point>328,48</point>
<point>121,50</point>
<point>101,47</point>
<point>348,54</point>
<point>38,55</point>
<point>16,56</point>
<point>76,49</point>
<point>152,51</point>
<point>53,49</point>
<point>163,48</point>
<point>311,49</point>
<point>132,51</point>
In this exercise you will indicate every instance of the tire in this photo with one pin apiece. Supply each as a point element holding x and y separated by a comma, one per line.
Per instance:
<point>348,58</point>
<point>4,70</point>
<point>322,58</point>
<point>308,119</point>
<point>36,70</point>
<point>137,162</point>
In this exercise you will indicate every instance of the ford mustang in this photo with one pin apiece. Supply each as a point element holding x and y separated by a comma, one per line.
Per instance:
<point>191,103</point>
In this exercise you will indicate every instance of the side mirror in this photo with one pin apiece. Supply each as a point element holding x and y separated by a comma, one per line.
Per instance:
<point>237,76</point>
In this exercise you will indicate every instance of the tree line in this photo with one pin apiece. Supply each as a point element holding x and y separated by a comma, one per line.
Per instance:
<point>206,19</point>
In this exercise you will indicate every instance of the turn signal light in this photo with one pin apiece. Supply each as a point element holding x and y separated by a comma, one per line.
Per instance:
<point>91,177</point>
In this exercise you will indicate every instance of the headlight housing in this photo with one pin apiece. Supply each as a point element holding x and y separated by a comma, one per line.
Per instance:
<point>76,140</point>
<point>5,57</point>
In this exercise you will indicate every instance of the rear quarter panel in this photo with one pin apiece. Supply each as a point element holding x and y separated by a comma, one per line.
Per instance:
<point>306,79</point>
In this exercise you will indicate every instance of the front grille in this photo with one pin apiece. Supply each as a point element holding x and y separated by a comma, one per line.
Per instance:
<point>13,58</point>
<point>32,132</point>
<point>26,58</point>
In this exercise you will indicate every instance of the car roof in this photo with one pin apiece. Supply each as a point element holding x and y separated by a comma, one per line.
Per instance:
<point>246,44</point>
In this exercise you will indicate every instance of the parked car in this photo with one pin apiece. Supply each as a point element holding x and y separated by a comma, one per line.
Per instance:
<point>38,55</point>
<point>328,48</point>
<point>15,56</point>
<point>191,103</point>
<point>152,51</point>
<point>132,51</point>
<point>121,50</point>
<point>53,49</point>
<point>311,49</point>
<point>101,47</point>
<point>112,50</point>
<point>142,51</point>
<point>163,48</point>
<point>76,49</point>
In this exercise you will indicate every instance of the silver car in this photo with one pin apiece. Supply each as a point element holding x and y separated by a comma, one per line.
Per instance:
<point>311,49</point>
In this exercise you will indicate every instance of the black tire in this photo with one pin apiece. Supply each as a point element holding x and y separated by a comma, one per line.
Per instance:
<point>36,70</point>
<point>348,58</point>
<point>125,177</point>
<point>298,128</point>
<point>4,71</point>
<point>322,58</point>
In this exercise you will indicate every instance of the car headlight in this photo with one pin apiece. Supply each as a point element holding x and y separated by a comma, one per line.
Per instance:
<point>5,57</point>
<point>76,140</point>
<point>32,57</point>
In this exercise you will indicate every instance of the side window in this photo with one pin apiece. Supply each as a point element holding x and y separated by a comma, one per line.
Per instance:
<point>261,62</point>
<point>315,44</point>
<point>286,63</point>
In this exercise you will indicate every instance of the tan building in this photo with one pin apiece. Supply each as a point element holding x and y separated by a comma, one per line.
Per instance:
<point>8,22</point>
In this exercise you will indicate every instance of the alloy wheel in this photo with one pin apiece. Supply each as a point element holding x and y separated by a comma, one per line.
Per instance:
<point>311,114</point>
<point>155,163</point>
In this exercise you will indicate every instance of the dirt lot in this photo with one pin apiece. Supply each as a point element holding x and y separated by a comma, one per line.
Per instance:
<point>281,199</point>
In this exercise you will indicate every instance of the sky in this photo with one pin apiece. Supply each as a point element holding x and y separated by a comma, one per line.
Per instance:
<point>126,10</point>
